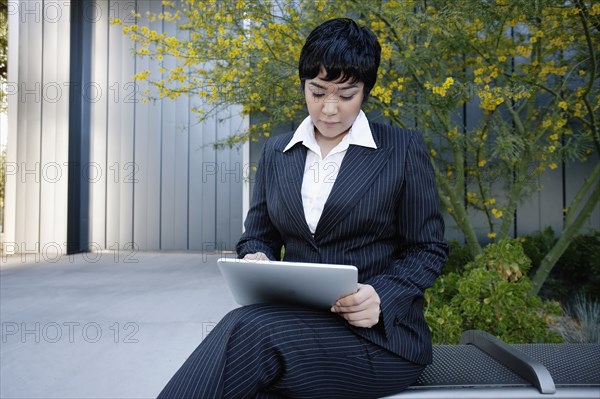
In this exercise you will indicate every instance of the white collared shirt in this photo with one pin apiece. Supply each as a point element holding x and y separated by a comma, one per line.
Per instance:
<point>320,173</point>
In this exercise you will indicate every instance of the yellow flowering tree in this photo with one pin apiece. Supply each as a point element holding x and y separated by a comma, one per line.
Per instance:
<point>502,90</point>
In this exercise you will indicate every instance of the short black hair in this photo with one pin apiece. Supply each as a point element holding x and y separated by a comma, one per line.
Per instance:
<point>345,50</point>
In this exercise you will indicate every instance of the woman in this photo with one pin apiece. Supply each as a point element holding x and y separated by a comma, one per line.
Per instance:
<point>338,190</point>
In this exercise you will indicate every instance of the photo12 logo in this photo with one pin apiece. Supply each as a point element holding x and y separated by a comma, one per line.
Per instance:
<point>69,331</point>
<point>52,252</point>
<point>54,11</point>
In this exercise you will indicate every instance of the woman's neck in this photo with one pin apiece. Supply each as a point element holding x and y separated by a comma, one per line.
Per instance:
<point>326,144</point>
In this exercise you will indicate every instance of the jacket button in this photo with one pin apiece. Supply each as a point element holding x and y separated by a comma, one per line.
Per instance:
<point>396,321</point>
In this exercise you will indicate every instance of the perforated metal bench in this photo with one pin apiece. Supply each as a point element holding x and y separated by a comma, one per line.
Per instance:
<point>485,367</point>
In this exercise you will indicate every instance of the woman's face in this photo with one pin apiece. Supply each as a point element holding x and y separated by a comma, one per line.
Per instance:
<point>333,106</point>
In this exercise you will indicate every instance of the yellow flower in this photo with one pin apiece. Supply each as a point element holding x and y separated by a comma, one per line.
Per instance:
<point>143,75</point>
<point>552,165</point>
<point>497,214</point>
<point>563,105</point>
<point>448,82</point>
<point>491,235</point>
<point>481,163</point>
<point>523,51</point>
<point>439,91</point>
<point>452,134</point>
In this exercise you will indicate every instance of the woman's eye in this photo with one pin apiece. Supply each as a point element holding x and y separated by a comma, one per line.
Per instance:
<point>347,98</point>
<point>318,95</point>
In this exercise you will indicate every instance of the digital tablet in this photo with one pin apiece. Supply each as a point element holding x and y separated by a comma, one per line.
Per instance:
<point>311,284</point>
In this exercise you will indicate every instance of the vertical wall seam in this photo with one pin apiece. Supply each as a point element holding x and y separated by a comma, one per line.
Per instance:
<point>39,232</point>
<point>134,179</point>
<point>106,130</point>
<point>188,171</point>
<point>160,177</point>
<point>216,135</point>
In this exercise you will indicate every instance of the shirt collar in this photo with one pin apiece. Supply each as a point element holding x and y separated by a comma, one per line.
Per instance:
<point>359,134</point>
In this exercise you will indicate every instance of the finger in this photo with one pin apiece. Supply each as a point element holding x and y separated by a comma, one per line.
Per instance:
<point>355,299</point>
<point>256,256</point>
<point>360,319</point>
<point>362,299</point>
<point>350,308</point>
<point>371,310</point>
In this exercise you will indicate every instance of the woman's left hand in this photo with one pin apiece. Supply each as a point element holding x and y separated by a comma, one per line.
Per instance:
<point>360,309</point>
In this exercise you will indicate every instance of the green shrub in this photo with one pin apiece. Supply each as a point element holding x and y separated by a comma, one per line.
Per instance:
<point>444,319</point>
<point>576,272</point>
<point>491,294</point>
<point>580,265</point>
<point>537,245</point>
<point>506,257</point>
<point>458,256</point>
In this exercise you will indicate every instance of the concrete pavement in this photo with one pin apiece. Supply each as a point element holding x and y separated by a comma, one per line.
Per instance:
<point>104,325</point>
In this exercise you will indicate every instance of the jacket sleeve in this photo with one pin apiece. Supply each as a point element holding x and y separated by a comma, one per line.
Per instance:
<point>420,232</point>
<point>260,234</point>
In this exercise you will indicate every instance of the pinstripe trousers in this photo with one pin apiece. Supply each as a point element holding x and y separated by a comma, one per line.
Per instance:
<point>274,351</point>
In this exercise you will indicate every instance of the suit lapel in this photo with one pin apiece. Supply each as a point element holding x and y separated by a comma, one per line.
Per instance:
<point>358,171</point>
<point>290,172</point>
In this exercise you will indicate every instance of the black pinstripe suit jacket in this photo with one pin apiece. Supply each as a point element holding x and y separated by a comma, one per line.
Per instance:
<point>382,216</point>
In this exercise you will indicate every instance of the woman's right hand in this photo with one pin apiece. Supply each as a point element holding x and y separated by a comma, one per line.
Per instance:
<point>256,256</point>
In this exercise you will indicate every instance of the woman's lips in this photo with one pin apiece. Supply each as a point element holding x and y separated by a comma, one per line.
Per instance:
<point>326,123</point>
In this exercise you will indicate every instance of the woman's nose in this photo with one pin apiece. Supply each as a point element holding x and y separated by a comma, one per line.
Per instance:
<point>330,106</point>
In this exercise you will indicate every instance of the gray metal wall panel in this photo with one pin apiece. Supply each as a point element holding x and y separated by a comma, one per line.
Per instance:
<point>208,186</point>
<point>30,150</point>
<point>182,161</point>
<point>97,93</point>
<point>529,214</point>
<point>55,131</point>
<point>168,177</point>
<point>113,139</point>
<point>201,226</point>
<point>175,162</point>
<point>229,181</point>
<point>119,230</point>
<point>165,155</point>
<point>125,108</point>
<point>181,174</point>
<point>146,207</point>
<point>169,128</point>
<point>544,208</point>
<point>10,200</point>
